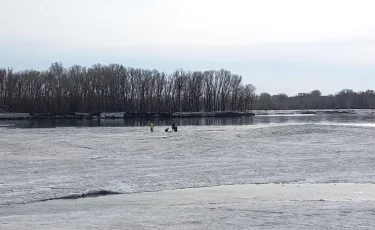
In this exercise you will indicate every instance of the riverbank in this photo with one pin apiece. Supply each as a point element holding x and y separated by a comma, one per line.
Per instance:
<point>125,115</point>
<point>213,114</point>
<point>117,115</point>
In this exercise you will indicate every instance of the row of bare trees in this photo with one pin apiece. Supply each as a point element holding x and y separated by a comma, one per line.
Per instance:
<point>117,88</point>
<point>345,99</point>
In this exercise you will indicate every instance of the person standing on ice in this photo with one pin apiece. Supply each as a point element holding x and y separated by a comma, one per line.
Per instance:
<point>174,127</point>
<point>152,126</point>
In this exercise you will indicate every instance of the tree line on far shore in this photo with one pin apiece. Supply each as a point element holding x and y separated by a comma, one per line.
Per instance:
<point>115,88</point>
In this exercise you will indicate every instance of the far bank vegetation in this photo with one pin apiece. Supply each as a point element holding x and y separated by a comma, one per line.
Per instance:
<point>116,88</point>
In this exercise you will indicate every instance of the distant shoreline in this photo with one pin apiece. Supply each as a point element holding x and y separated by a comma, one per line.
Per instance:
<point>117,115</point>
<point>125,115</point>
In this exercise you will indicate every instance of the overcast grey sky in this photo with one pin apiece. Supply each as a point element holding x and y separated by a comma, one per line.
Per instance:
<point>279,46</point>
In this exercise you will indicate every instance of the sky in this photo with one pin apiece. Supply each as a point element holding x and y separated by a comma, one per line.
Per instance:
<point>288,46</point>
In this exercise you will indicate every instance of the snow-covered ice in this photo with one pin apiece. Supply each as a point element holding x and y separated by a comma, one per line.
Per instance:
<point>269,206</point>
<point>302,174</point>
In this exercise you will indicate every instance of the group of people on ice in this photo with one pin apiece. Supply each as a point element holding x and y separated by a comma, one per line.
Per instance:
<point>174,127</point>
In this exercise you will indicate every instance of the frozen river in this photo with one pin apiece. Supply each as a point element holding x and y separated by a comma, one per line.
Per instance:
<point>299,172</point>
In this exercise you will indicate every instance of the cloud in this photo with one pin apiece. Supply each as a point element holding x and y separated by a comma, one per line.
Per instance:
<point>288,39</point>
<point>190,23</point>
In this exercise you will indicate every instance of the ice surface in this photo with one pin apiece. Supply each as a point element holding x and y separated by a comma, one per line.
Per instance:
<point>14,115</point>
<point>41,164</point>
<point>304,206</point>
<point>114,115</point>
<point>264,162</point>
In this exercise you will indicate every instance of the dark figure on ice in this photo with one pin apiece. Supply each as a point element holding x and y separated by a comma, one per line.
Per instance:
<point>152,126</point>
<point>174,127</point>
